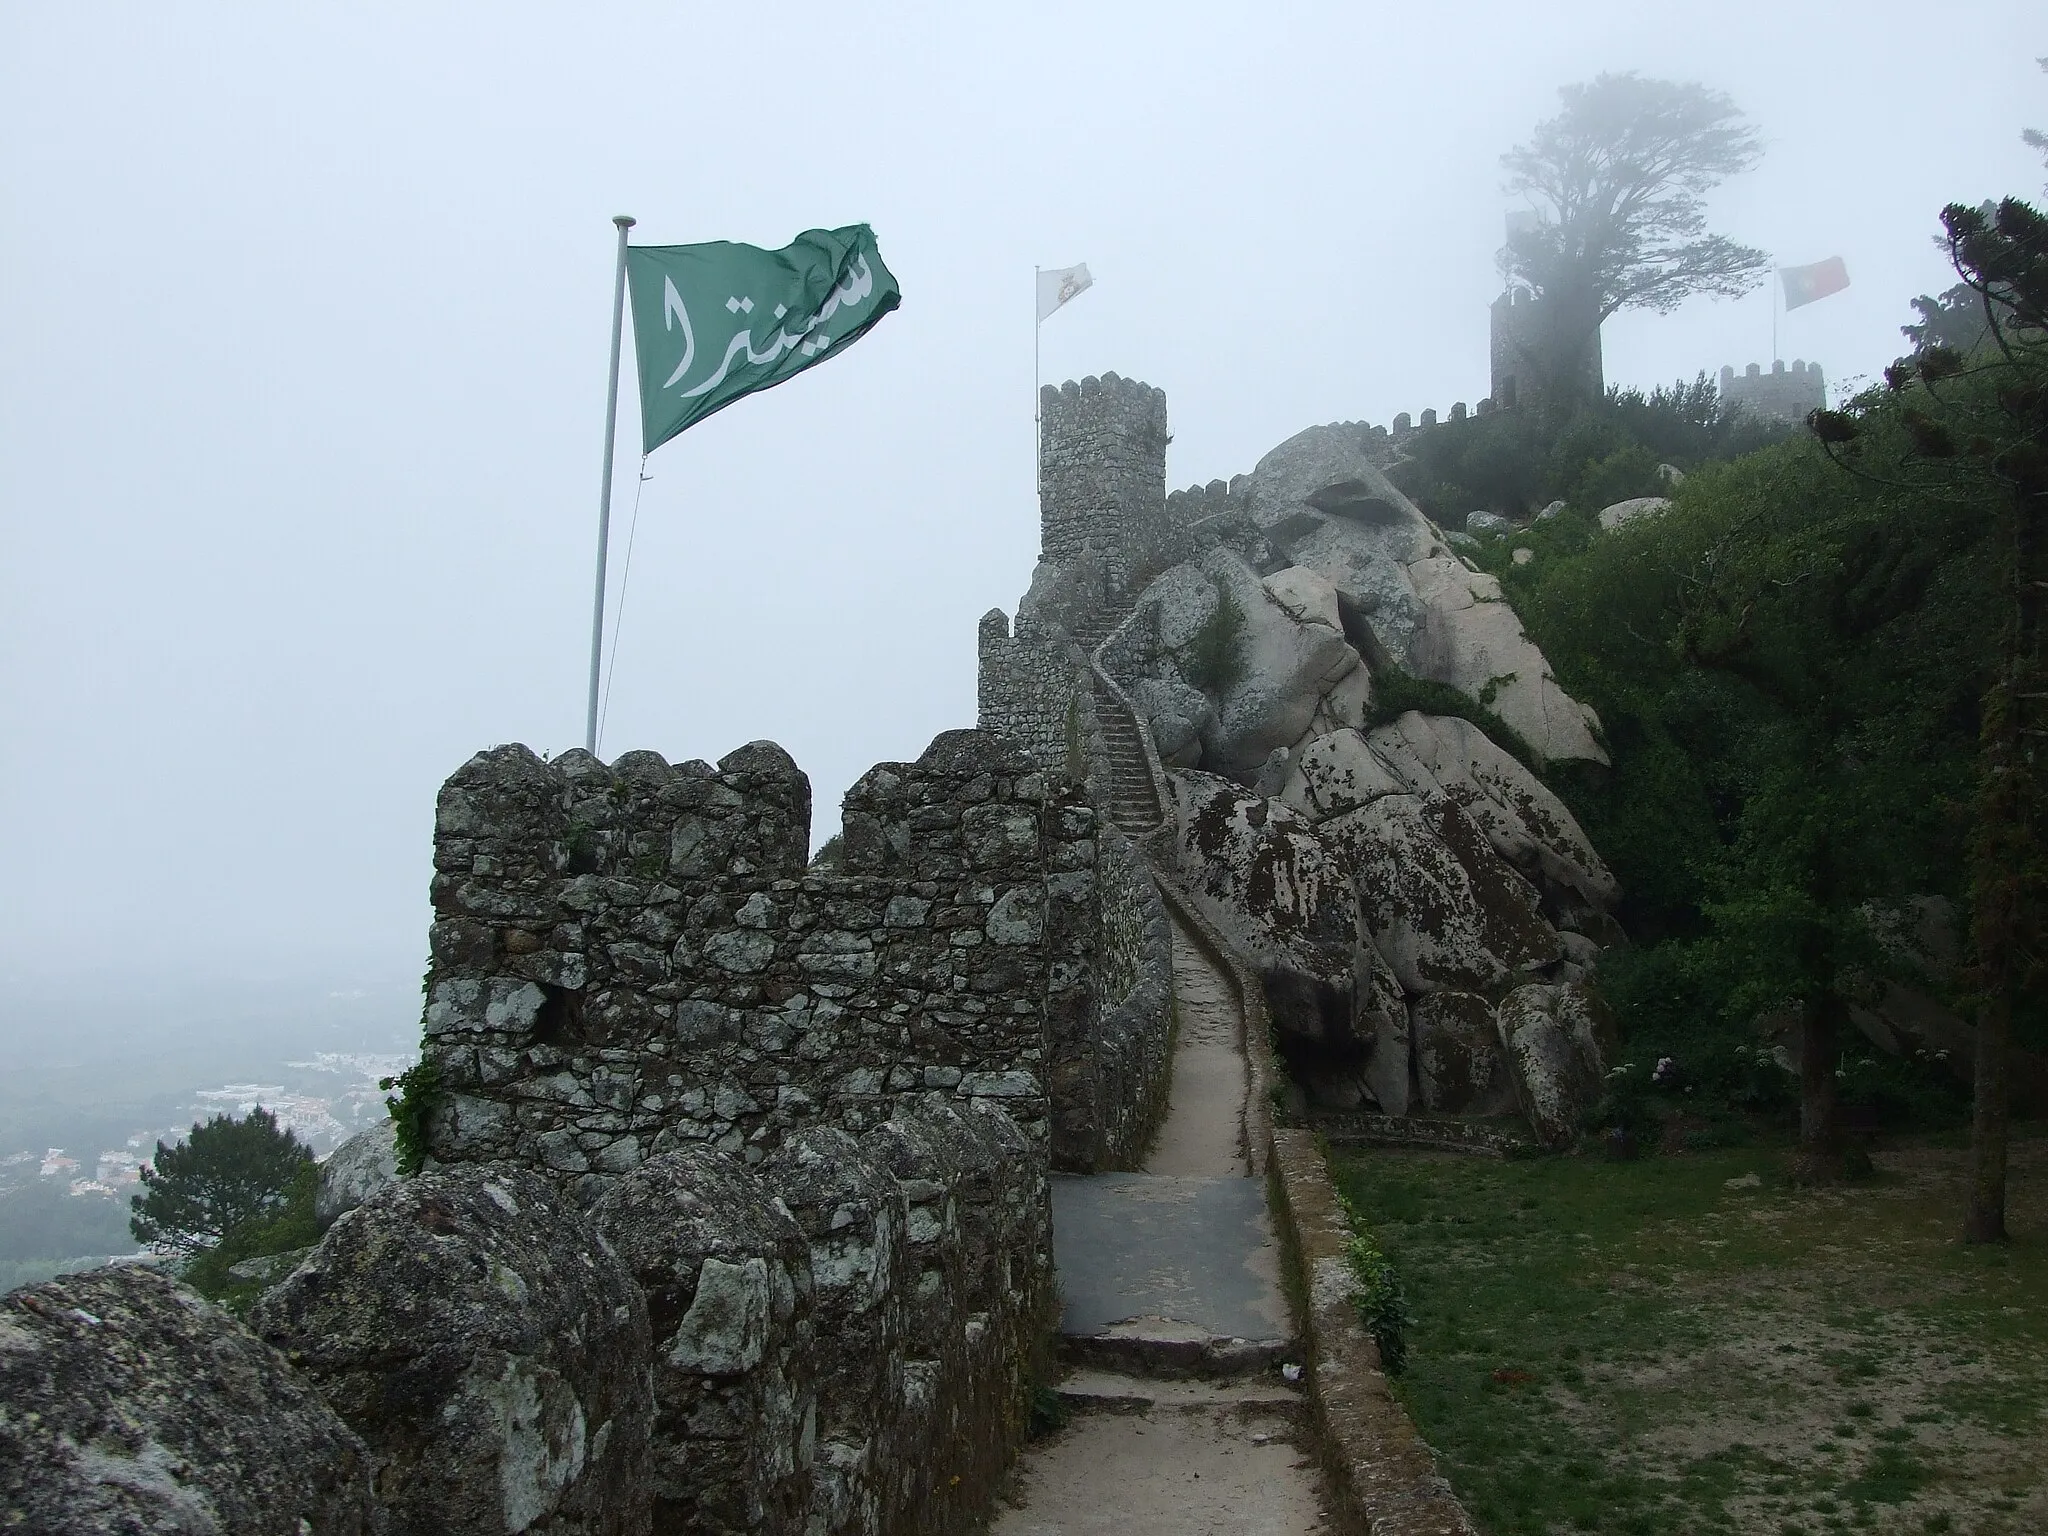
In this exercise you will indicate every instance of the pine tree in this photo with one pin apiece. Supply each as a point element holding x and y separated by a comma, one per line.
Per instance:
<point>227,1172</point>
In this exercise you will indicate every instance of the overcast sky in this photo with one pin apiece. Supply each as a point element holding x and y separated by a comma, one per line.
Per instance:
<point>304,314</point>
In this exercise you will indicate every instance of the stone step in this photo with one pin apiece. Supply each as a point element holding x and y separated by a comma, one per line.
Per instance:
<point>1087,1390</point>
<point>1165,1276</point>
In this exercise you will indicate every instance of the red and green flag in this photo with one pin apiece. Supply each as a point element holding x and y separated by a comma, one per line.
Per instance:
<point>1816,280</point>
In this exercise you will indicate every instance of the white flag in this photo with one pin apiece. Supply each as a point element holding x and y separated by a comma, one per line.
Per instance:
<point>1057,286</point>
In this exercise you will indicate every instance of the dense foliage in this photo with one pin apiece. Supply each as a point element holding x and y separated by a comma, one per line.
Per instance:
<point>283,1229</point>
<point>1516,462</point>
<point>1215,660</point>
<point>227,1172</point>
<point>1795,666</point>
<point>1377,1293</point>
<point>419,1095</point>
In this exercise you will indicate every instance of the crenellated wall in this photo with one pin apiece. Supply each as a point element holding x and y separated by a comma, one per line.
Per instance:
<point>641,990</point>
<point>636,958</point>
<point>1102,479</point>
<point>1025,688</point>
<point>1783,394</point>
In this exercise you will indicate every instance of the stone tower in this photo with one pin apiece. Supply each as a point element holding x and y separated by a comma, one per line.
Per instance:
<point>1519,322</point>
<point>1102,480</point>
<point>1780,395</point>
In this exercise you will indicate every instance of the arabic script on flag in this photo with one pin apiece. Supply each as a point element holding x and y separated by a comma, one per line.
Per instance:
<point>713,323</point>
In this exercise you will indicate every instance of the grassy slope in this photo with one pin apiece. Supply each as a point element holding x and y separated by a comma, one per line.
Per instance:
<point>1641,1348</point>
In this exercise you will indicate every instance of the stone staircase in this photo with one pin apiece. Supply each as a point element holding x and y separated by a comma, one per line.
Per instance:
<point>1133,796</point>
<point>1133,793</point>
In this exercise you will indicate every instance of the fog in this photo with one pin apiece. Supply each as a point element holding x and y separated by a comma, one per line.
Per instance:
<point>305,323</point>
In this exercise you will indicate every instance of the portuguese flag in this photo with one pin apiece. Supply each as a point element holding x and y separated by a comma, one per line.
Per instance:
<point>1815,281</point>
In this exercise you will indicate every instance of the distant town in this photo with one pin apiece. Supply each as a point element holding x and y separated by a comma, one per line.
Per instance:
<point>323,1121</point>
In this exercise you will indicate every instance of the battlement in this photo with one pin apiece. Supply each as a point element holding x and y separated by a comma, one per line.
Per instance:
<point>1784,394</point>
<point>1102,482</point>
<point>1186,508</point>
<point>1111,400</point>
<point>632,958</point>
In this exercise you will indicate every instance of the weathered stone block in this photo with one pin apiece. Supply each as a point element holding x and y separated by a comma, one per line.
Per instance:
<point>727,1277</point>
<point>129,1404</point>
<point>853,1215</point>
<point>490,1350</point>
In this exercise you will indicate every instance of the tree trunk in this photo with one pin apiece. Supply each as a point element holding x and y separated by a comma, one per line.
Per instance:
<point>1985,1220</point>
<point>1819,1158</point>
<point>2005,886</point>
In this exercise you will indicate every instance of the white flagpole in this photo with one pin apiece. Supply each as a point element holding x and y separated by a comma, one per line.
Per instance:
<point>604,498</point>
<point>1037,325</point>
<point>1777,288</point>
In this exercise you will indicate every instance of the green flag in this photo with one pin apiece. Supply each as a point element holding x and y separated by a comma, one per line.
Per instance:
<point>717,321</point>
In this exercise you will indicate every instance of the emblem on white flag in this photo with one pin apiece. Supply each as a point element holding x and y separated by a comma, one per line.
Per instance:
<point>1057,285</point>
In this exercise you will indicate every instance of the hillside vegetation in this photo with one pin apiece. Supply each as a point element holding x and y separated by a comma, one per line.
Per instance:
<point>1791,664</point>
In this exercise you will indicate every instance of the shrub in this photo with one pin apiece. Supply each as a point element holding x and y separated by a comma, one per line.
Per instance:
<point>1382,1306</point>
<point>290,1228</point>
<point>1214,661</point>
<point>1395,692</point>
<point>419,1095</point>
<point>227,1172</point>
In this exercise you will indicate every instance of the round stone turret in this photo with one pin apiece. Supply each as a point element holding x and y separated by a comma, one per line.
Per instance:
<point>1102,477</point>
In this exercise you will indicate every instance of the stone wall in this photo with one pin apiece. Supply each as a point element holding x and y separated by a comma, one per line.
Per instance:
<point>1186,508</point>
<point>1518,335</point>
<point>1102,479</point>
<point>634,958</point>
<point>1111,1046</point>
<point>1782,394</point>
<point>1025,689</point>
<point>633,966</point>
<point>1132,1038</point>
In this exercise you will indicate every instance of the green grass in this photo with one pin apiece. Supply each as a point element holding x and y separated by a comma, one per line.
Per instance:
<point>1636,1347</point>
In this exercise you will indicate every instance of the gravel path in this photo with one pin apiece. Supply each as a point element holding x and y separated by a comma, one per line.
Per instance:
<point>1142,1455</point>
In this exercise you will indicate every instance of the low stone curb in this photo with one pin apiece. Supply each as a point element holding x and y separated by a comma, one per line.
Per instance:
<point>1438,1133</point>
<point>1383,1472</point>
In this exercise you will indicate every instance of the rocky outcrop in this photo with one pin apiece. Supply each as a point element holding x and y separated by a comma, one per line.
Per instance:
<point>1460,1066</point>
<point>726,1274</point>
<point>128,1403</point>
<point>1402,882</point>
<point>1412,601</point>
<point>1289,668</point>
<point>1623,512</point>
<point>356,1170</point>
<point>1262,875</point>
<point>1438,904</point>
<point>1552,1038</point>
<point>488,1347</point>
<point>1393,879</point>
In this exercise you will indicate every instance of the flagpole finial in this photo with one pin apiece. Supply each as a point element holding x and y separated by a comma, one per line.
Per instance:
<point>624,220</point>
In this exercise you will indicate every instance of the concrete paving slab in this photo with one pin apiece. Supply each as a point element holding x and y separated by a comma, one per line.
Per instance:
<point>1204,1133</point>
<point>1231,1470</point>
<point>1142,1250</point>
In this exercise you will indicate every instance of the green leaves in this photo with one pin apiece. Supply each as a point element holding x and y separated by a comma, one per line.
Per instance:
<point>1215,656</point>
<point>227,1172</point>
<point>419,1095</point>
<point>1382,1306</point>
